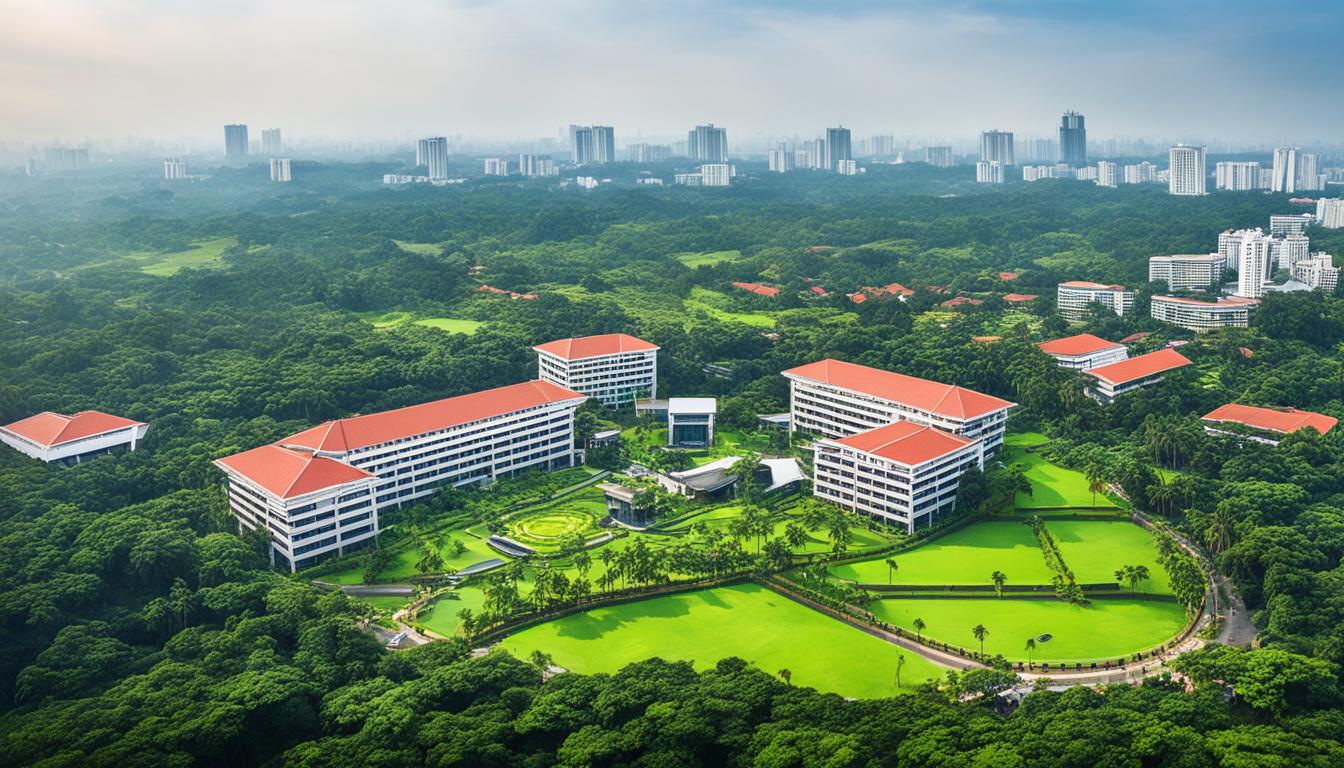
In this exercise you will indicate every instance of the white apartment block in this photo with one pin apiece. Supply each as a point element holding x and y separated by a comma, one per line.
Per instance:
<point>835,399</point>
<point>1084,351</point>
<point>320,491</point>
<point>1308,172</point>
<point>1111,381</point>
<point>1229,246</point>
<point>1330,212</point>
<point>613,368</point>
<point>1253,254</point>
<point>280,169</point>
<point>55,437</point>
<point>781,160</point>
<point>716,174</point>
<point>1200,316</point>
<point>1319,272</point>
<point>1290,249</point>
<point>1237,176</point>
<point>1185,272</point>
<point>1289,224</point>
<point>1284,174</point>
<point>903,473</point>
<point>174,170</point>
<point>496,166</point>
<point>989,172</point>
<point>1107,175</point>
<point>1074,297</point>
<point>1140,173</point>
<point>1187,170</point>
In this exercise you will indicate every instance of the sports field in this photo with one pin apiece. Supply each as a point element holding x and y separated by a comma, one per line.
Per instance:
<point>1052,485</point>
<point>1095,549</point>
<point>966,556</point>
<point>747,621</point>
<point>1106,629</point>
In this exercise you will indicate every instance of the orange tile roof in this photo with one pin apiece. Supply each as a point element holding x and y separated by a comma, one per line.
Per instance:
<point>758,289</point>
<point>1019,298</point>
<point>594,346</point>
<point>896,289</point>
<point>1082,344</point>
<point>1136,368</point>
<point>1140,336</point>
<point>1094,286</point>
<point>1008,276</point>
<point>1284,420</point>
<point>905,442</point>
<point>49,428</point>
<point>375,428</point>
<point>288,473</point>
<point>931,396</point>
<point>960,300</point>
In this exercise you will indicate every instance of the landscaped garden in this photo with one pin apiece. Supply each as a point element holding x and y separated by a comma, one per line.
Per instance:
<point>966,556</point>
<point>1095,549</point>
<point>1052,486</point>
<point>558,523</point>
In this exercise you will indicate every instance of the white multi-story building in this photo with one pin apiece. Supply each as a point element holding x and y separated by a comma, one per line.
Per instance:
<point>532,166</point>
<point>1330,212</point>
<point>1185,272</point>
<point>1237,176</point>
<point>903,473</point>
<point>1107,175</point>
<point>280,169</point>
<point>613,368</point>
<point>174,170</point>
<point>435,152</point>
<point>320,491</point>
<point>1200,316</point>
<point>781,160</point>
<point>1252,252</point>
<point>1281,224</point>
<point>989,172</point>
<point>1290,249</point>
<point>1037,172</point>
<point>1284,178</point>
<point>716,174</point>
<point>1308,172</point>
<point>997,146</point>
<point>496,166</point>
<point>836,399</point>
<point>938,157</point>
<point>1229,245</point>
<point>1188,172</point>
<point>1318,272</point>
<point>1111,381</point>
<point>1264,425</point>
<point>1084,351</point>
<point>847,167</point>
<point>1073,298</point>
<point>55,437</point>
<point>1140,173</point>
<point>271,143</point>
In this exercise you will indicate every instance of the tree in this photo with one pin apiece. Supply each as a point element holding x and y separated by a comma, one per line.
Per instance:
<point>1096,480</point>
<point>892,566</point>
<point>795,535</point>
<point>918,624</point>
<point>1221,532</point>
<point>1018,481</point>
<point>998,578</point>
<point>1031,648</point>
<point>980,634</point>
<point>786,676</point>
<point>900,662</point>
<point>541,660</point>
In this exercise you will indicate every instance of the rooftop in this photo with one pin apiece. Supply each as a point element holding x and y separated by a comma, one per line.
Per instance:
<point>1140,367</point>
<point>1093,286</point>
<point>1019,298</point>
<point>758,289</point>
<point>594,346</point>
<point>1283,420</point>
<point>692,405</point>
<point>1082,344</point>
<point>905,442</point>
<point>932,396</point>
<point>50,429</point>
<point>1222,302</point>
<point>288,473</point>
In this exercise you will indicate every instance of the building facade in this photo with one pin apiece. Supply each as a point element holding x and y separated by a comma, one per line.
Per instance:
<point>280,169</point>
<point>1236,176</point>
<point>1188,172</point>
<point>67,440</point>
<point>271,144</point>
<point>1264,425</point>
<point>1281,224</point>
<point>496,166</point>
<point>1200,316</point>
<point>1107,174</point>
<point>1187,272</point>
<point>1111,381</point>
<point>708,143</point>
<point>997,146</point>
<point>716,174</point>
<point>938,157</point>
<point>838,148</point>
<point>989,172</point>
<point>1330,212</point>
<point>690,421</point>
<point>1073,140</point>
<point>174,170</point>
<point>613,368</point>
<point>1284,173</point>
<point>436,157</point>
<point>1074,297</point>
<point>1318,272</point>
<point>235,141</point>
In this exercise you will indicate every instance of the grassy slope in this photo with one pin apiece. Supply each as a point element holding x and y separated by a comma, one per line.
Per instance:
<point>966,556</point>
<point>1094,549</point>
<point>205,254</point>
<point>1053,485</point>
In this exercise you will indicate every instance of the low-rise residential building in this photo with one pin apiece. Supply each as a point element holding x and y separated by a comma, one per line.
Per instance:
<point>1264,425</point>
<point>1084,351</point>
<point>67,440</point>
<point>1075,296</point>
<point>690,421</point>
<point>612,368</point>
<point>835,399</point>
<point>1199,315</point>
<point>319,492</point>
<point>768,291</point>
<point>1116,379</point>
<point>903,473</point>
<point>1186,272</point>
<point>1318,272</point>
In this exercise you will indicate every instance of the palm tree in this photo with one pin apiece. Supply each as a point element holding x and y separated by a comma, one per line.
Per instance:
<point>1096,480</point>
<point>918,624</point>
<point>466,621</point>
<point>1222,531</point>
<point>795,535</point>
<point>787,676</point>
<point>900,662</point>
<point>1031,646</point>
<point>1140,574</point>
<point>998,578</point>
<point>980,634</point>
<point>892,567</point>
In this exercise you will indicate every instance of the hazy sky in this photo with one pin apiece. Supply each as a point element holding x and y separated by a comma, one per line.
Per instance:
<point>1234,69</point>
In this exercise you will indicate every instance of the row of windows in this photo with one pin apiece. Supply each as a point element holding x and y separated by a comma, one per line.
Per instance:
<point>483,444</point>
<point>455,433</point>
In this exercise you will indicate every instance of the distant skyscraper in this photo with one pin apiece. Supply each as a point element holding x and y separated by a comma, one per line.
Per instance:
<point>1187,170</point>
<point>1073,140</point>
<point>939,157</point>
<point>280,169</point>
<point>781,159</point>
<point>235,141</point>
<point>270,142</point>
<point>997,146</point>
<point>174,169</point>
<point>837,148</point>
<point>648,153</point>
<point>604,144</point>
<point>1237,176</point>
<point>1285,170</point>
<point>496,166</point>
<point>707,142</point>
<point>422,152</point>
<point>881,146</point>
<point>1107,174</point>
<point>1140,173</point>
<point>436,157</point>
<point>989,172</point>
<point>1042,150</point>
<point>1308,172</point>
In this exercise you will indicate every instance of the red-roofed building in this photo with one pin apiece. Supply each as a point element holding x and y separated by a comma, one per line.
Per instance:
<point>837,399</point>
<point>888,290</point>
<point>768,291</point>
<point>320,491</point>
<point>904,473</point>
<point>961,301</point>
<point>1133,337</point>
<point>55,437</point>
<point>1265,425</point>
<point>818,290</point>
<point>1019,298</point>
<point>1073,298</point>
<point>1128,375</point>
<point>1084,351</point>
<point>613,368</point>
<point>1008,277</point>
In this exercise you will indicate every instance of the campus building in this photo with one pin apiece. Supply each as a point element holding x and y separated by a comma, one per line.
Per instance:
<point>1185,272</point>
<point>1264,425</point>
<point>1084,351</point>
<point>1074,297</point>
<point>836,399</point>
<point>320,491</point>
<point>1318,272</point>
<point>1128,375</point>
<point>903,473</point>
<point>613,368</point>
<point>690,421</point>
<point>67,440</point>
<point>1197,315</point>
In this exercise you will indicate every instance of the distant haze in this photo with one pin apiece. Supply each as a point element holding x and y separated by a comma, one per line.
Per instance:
<point>1235,69</point>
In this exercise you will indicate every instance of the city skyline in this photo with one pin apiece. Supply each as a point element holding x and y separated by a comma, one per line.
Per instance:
<point>859,63</point>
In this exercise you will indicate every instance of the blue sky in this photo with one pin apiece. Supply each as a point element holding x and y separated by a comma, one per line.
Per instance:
<point>1233,69</point>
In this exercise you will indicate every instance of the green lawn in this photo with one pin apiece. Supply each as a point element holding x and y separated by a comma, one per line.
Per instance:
<point>1095,549</point>
<point>386,320</point>
<point>1052,485</point>
<point>441,615</point>
<point>965,556</point>
<point>451,325</point>
<point>386,604</point>
<point>203,255</point>
<point>424,249</point>
<point>713,302</point>
<point>747,621</point>
<point>1106,629</point>
<point>694,260</point>
<point>1025,439</point>
<point>403,566</point>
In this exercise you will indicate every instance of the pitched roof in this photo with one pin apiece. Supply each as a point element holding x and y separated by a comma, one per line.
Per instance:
<point>1008,276</point>
<point>960,300</point>
<point>1140,367</point>
<point>1222,301</point>
<point>49,428</point>
<point>375,428</point>
<point>1093,286</point>
<point>758,289</point>
<point>1285,420</point>
<point>932,396</point>
<point>1082,344</point>
<point>905,442</point>
<point>288,473</point>
<point>594,346</point>
<point>1140,336</point>
<point>1019,298</point>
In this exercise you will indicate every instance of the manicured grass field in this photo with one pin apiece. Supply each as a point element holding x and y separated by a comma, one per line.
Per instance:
<point>966,556</point>
<point>747,621</point>
<point>694,260</point>
<point>1106,629</point>
<point>388,319</point>
<point>441,615</point>
<point>556,523</point>
<point>1052,485</point>
<point>1025,439</point>
<point>1095,549</point>
<point>451,324</point>
<point>386,605</point>
<point>709,302</point>
<point>403,565</point>
<point>205,254</point>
